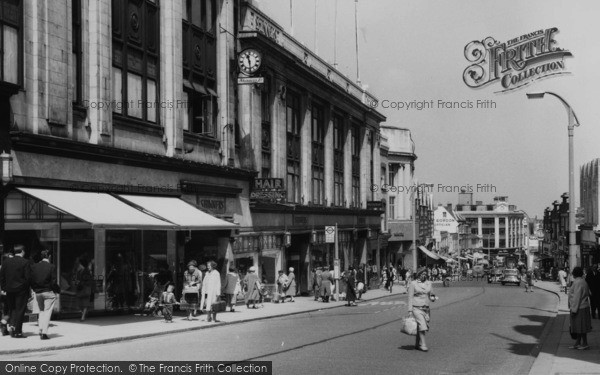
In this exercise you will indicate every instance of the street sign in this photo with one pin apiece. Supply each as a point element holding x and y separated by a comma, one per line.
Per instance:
<point>374,205</point>
<point>330,234</point>
<point>250,80</point>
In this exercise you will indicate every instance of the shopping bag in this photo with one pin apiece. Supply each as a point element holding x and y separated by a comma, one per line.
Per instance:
<point>409,325</point>
<point>219,306</point>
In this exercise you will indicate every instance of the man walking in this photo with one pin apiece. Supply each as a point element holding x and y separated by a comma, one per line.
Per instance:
<point>15,280</point>
<point>43,281</point>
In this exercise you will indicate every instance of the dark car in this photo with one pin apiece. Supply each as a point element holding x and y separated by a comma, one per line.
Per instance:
<point>495,275</point>
<point>511,276</point>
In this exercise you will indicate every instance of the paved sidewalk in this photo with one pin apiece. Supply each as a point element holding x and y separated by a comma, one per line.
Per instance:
<point>555,357</point>
<point>69,333</point>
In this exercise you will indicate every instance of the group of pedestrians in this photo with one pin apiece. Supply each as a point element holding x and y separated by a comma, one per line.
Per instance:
<point>201,292</point>
<point>22,281</point>
<point>323,284</point>
<point>286,285</point>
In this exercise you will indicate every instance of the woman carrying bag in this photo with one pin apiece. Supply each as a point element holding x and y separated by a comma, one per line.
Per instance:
<point>190,296</point>
<point>419,296</point>
<point>579,304</point>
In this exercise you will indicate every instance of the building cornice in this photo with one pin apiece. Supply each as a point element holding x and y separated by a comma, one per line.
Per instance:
<point>48,145</point>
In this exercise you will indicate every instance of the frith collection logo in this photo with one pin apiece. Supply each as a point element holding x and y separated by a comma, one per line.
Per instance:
<point>515,63</point>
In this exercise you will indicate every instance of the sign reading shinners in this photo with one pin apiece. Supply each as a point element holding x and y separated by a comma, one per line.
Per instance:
<point>516,62</point>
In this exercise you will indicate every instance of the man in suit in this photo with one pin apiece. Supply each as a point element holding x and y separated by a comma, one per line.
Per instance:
<point>3,302</point>
<point>15,280</point>
<point>43,281</point>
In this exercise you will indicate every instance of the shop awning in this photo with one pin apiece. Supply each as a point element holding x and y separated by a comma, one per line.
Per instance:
<point>179,212</point>
<point>100,210</point>
<point>428,253</point>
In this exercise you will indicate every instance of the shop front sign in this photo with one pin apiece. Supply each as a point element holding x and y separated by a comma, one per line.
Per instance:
<point>268,190</point>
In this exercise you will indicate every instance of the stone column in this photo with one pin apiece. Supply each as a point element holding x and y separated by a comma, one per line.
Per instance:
<point>329,143</point>
<point>496,232</point>
<point>306,147</point>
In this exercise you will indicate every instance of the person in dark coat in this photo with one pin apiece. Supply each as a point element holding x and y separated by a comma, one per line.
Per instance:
<point>43,282</point>
<point>85,287</point>
<point>3,301</point>
<point>15,280</point>
<point>593,280</point>
<point>350,289</point>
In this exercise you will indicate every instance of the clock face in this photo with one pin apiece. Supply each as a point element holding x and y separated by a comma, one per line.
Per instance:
<point>249,61</point>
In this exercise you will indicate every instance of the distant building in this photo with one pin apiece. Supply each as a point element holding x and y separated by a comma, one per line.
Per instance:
<point>589,181</point>
<point>589,213</point>
<point>398,186</point>
<point>499,226</point>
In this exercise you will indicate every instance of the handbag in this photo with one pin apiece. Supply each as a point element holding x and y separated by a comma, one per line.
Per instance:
<point>55,288</point>
<point>409,325</point>
<point>190,289</point>
<point>573,335</point>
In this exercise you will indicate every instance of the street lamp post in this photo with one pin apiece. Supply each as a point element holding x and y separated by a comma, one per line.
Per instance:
<point>6,175</point>
<point>573,122</point>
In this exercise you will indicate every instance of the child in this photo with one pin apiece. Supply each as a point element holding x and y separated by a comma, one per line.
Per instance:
<point>167,301</point>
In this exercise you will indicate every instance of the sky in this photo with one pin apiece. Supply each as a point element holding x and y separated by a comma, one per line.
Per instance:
<point>414,50</point>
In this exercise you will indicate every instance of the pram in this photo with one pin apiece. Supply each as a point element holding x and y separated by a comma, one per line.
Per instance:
<point>152,307</point>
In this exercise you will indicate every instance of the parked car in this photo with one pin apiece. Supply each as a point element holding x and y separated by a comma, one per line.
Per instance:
<point>510,276</point>
<point>495,275</point>
<point>478,271</point>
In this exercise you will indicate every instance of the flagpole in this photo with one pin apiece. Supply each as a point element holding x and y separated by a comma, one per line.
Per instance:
<point>292,17</point>
<point>356,38</point>
<point>316,48</point>
<point>335,35</point>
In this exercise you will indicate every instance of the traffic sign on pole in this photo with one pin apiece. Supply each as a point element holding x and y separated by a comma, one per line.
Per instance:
<point>330,234</point>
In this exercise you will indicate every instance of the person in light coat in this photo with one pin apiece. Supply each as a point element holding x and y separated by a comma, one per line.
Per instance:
<point>579,306</point>
<point>211,290</point>
<point>231,288</point>
<point>291,284</point>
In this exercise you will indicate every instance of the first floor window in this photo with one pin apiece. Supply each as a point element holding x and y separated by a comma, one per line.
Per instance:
<point>293,182</point>
<point>355,191</point>
<point>318,185</point>
<point>392,206</point>
<point>338,188</point>
<point>200,117</point>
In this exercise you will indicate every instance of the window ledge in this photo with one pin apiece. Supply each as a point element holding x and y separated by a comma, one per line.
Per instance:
<point>201,139</point>
<point>140,126</point>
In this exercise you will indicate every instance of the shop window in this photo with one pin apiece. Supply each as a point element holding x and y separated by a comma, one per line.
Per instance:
<point>293,154</point>
<point>136,265</point>
<point>76,250</point>
<point>135,42</point>
<point>318,156</point>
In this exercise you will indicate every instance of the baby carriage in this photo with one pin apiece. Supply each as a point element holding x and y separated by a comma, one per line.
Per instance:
<point>152,307</point>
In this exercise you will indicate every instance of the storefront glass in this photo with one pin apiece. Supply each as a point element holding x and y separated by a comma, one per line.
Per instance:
<point>75,244</point>
<point>133,258</point>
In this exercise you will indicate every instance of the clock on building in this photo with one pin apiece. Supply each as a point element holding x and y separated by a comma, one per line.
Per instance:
<point>249,61</point>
